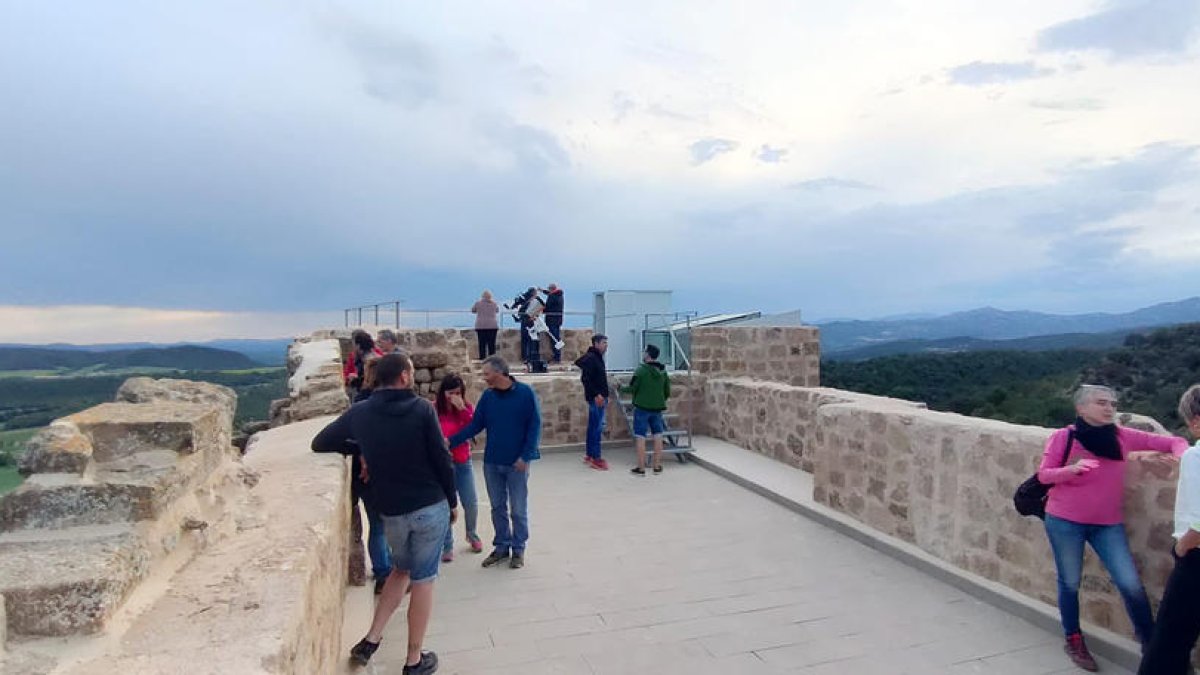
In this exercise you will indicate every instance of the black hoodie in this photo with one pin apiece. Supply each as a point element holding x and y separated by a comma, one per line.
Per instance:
<point>401,442</point>
<point>594,375</point>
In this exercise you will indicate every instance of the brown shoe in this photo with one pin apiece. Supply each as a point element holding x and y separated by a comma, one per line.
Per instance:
<point>1077,650</point>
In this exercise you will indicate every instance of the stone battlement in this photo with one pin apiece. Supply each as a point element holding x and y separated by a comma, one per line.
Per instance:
<point>140,522</point>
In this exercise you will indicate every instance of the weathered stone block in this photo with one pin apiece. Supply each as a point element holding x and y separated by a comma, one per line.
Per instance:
<point>120,430</point>
<point>66,585</point>
<point>148,390</point>
<point>59,448</point>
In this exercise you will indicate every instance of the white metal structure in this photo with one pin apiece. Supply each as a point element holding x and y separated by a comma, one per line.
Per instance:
<point>622,316</point>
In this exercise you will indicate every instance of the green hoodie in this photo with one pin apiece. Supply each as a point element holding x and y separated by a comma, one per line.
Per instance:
<point>651,386</point>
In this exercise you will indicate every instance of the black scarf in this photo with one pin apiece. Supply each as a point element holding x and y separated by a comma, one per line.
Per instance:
<point>1101,441</point>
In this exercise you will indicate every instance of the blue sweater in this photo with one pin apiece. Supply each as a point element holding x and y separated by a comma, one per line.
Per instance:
<point>513,422</point>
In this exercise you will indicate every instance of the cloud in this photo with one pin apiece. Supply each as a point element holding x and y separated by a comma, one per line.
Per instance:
<point>830,183</point>
<point>99,324</point>
<point>1087,104</point>
<point>771,155</point>
<point>707,149</point>
<point>1127,29</point>
<point>979,73</point>
<point>657,110</point>
<point>535,151</point>
<point>396,68</point>
<point>622,105</point>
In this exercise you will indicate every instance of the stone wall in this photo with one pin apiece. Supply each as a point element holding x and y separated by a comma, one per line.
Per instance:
<point>315,386</point>
<point>564,411</point>
<point>508,344</point>
<point>791,355</point>
<point>940,481</point>
<point>773,419</point>
<point>143,507</point>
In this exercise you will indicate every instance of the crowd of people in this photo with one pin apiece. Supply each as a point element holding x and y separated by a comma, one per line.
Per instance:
<point>411,464</point>
<point>412,469</point>
<point>536,311</point>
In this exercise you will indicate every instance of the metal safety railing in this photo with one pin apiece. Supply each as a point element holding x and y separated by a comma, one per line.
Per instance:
<point>395,315</point>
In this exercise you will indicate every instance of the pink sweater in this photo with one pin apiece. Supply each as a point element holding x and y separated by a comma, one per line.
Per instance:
<point>1097,496</point>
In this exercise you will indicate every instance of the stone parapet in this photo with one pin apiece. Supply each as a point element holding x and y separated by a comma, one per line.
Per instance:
<point>113,491</point>
<point>774,419</point>
<point>941,481</point>
<point>945,483</point>
<point>314,381</point>
<point>791,355</point>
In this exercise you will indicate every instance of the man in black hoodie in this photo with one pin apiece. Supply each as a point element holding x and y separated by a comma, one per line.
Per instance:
<point>410,481</point>
<point>554,319</point>
<point>595,392</point>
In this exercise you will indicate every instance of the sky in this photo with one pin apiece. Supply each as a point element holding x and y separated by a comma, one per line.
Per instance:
<point>232,169</point>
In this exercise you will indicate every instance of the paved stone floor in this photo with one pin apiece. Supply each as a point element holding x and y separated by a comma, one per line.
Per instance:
<point>687,572</point>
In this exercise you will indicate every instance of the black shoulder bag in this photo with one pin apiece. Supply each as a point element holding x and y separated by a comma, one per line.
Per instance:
<point>1030,497</point>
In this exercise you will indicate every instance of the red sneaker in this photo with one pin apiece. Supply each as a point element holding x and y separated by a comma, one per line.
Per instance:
<point>597,464</point>
<point>587,459</point>
<point>1078,652</point>
<point>602,464</point>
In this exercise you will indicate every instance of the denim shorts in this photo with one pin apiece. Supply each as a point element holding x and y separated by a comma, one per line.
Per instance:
<point>648,423</point>
<point>416,538</point>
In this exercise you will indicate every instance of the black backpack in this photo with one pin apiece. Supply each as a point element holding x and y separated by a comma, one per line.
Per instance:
<point>1030,497</point>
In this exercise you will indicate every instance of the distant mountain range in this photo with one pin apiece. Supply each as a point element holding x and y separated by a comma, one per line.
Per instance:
<point>1038,343</point>
<point>268,352</point>
<point>180,358</point>
<point>988,323</point>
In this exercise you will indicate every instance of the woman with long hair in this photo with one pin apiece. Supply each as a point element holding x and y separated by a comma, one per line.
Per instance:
<point>455,412</point>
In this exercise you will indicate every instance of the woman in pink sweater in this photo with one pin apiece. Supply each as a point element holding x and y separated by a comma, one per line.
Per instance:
<point>1085,465</point>
<point>455,413</point>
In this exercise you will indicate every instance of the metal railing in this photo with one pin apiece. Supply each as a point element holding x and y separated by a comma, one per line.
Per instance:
<point>395,315</point>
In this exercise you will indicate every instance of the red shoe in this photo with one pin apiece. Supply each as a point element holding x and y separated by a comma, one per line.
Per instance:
<point>597,464</point>
<point>587,459</point>
<point>1078,652</point>
<point>602,464</point>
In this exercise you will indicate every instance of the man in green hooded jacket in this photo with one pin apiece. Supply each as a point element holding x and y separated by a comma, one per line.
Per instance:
<point>651,387</point>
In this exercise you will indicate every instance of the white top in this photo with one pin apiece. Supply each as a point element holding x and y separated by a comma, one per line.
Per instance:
<point>1187,495</point>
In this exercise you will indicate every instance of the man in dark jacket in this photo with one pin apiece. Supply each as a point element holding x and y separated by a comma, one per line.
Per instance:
<point>554,319</point>
<point>410,481</point>
<point>595,392</point>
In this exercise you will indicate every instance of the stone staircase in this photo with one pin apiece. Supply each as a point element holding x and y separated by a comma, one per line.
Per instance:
<point>110,492</point>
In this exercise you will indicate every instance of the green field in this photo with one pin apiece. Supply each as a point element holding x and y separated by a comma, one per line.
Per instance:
<point>12,444</point>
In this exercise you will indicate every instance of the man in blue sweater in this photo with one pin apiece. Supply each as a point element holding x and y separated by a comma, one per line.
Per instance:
<point>509,412</point>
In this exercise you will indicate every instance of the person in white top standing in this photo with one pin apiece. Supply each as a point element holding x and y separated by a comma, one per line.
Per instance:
<point>1178,624</point>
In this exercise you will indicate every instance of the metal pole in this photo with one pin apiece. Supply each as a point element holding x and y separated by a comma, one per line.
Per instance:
<point>376,314</point>
<point>397,315</point>
<point>360,316</point>
<point>346,317</point>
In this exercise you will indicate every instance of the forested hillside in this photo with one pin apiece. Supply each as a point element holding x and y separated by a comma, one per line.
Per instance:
<point>1150,372</point>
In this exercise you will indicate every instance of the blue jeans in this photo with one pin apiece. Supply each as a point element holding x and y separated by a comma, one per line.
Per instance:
<point>595,427</point>
<point>508,491</point>
<point>1108,541</point>
<point>416,540</point>
<point>464,483</point>
<point>648,423</point>
<point>377,546</point>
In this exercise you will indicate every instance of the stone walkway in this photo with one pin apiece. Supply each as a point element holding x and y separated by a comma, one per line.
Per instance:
<point>689,573</point>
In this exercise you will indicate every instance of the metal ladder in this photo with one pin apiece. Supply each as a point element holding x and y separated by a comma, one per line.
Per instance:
<point>677,439</point>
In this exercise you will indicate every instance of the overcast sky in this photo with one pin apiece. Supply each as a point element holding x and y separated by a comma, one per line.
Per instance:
<point>188,165</point>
